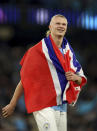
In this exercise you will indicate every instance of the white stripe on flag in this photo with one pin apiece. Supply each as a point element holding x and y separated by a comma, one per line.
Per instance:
<point>53,74</point>
<point>71,55</point>
<point>64,94</point>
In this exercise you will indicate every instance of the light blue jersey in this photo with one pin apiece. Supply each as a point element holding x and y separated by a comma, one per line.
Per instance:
<point>62,107</point>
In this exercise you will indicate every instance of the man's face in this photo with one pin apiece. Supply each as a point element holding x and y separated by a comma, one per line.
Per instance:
<point>58,26</point>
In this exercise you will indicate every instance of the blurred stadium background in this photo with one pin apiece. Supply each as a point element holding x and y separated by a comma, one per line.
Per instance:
<point>22,24</point>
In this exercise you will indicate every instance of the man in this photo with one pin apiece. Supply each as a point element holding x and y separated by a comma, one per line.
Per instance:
<point>51,77</point>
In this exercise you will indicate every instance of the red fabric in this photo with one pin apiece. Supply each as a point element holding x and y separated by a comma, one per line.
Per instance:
<point>37,82</point>
<point>71,93</point>
<point>36,88</point>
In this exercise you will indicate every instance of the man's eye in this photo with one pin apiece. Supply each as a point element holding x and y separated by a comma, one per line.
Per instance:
<point>64,24</point>
<point>58,23</point>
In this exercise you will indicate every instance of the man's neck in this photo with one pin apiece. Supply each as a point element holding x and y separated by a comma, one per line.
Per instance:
<point>58,40</point>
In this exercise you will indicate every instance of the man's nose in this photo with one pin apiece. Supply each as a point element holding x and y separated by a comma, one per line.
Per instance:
<point>61,25</point>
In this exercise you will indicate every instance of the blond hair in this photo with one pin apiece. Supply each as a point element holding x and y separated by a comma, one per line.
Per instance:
<point>48,33</point>
<point>58,15</point>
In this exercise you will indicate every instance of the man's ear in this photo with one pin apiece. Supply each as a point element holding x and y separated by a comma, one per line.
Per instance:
<point>49,27</point>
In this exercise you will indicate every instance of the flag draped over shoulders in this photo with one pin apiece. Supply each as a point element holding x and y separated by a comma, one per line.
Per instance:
<point>43,75</point>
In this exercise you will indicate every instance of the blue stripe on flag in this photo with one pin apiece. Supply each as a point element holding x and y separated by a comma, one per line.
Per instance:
<point>59,68</point>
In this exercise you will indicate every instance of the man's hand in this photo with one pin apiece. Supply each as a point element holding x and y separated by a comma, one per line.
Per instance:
<point>7,110</point>
<point>70,76</point>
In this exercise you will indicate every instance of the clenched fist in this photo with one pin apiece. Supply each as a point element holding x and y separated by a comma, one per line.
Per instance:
<point>70,76</point>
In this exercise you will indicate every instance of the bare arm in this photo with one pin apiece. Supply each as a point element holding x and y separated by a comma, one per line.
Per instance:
<point>17,94</point>
<point>8,110</point>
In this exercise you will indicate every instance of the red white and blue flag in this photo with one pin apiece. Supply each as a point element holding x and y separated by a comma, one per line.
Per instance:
<point>43,75</point>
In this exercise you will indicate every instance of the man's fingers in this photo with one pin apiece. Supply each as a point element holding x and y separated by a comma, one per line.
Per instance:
<point>5,115</point>
<point>68,73</point>
<point>4,109</point>
<point>69,77</point>
<point>4,112</point>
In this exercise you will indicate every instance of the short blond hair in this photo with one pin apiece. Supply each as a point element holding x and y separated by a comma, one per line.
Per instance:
<point>58,15</point>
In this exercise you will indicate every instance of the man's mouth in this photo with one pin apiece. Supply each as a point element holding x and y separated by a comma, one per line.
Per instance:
<point>60,30</point>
